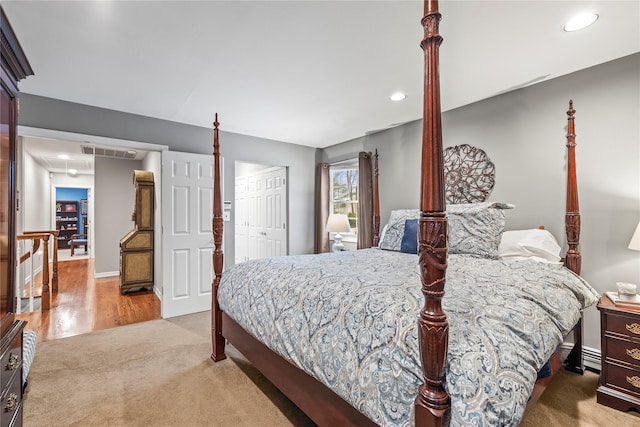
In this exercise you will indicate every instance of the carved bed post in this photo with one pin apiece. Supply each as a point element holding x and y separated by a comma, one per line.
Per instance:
<point>432,401</point>
<point>376,202</point>
<point>573,259</point>
<point>217,339</point>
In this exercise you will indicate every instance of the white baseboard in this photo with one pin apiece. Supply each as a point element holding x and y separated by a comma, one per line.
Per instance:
<point>106,274</point>
<point>590,355</point>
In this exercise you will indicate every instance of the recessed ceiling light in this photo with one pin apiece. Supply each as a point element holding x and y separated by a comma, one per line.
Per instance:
<point>63,156</point>
<point>131,152</point>
<point>581,21</point>
<point>398,96</point>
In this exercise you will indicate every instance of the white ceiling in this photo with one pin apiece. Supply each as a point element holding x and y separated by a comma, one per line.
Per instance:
<point>314,73</point>
<point>47,152</point>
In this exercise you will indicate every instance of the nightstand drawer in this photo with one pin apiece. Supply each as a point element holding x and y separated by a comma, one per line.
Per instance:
<point>623,325</point>
<point>624,351</point>
<point>619,377</point>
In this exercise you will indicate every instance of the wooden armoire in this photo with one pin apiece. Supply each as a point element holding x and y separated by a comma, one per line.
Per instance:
<point>136,247</point>
<point>15,67</point>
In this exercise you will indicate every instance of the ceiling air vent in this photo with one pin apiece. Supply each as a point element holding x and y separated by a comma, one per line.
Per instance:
<point>108,152</point>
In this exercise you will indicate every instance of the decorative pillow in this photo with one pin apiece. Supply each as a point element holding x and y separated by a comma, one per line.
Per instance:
<point>476,228</point>
<point>392,238</point>
<point>382,233</point>
<point>538,245</point>
<point>409,243</point>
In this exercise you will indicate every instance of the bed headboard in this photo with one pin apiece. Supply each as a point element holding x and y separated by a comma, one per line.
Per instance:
<point>469,174</point>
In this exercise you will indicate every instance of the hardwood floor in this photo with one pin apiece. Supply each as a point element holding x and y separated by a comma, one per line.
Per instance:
<point>85,304</point>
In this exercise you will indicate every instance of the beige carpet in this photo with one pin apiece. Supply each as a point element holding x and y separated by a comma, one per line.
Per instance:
<point>159,373</point>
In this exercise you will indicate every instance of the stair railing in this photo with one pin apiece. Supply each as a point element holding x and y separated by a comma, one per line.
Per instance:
<point>36,237</point>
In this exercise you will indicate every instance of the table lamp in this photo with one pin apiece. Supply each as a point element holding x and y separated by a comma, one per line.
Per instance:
<point>338,223</point>
<point>635,240</point>
<point>629,290</point>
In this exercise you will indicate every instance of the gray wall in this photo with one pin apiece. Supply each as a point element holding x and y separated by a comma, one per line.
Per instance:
<point>47,113</point>
<point>114,200</point>
<point>524,133</point>
<point>34,207</point>
<point>35,203</point>
<point>300,162</point>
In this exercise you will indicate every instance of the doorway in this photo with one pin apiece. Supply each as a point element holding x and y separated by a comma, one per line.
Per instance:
<point>72,222</point>
<point>261,220</point>
<point>93,166</point>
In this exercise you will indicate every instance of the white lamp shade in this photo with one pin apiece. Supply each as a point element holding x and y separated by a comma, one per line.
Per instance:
<point>338,223</point>
<point>635,240</point>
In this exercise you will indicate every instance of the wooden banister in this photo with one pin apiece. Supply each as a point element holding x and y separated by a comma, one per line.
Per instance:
<point>54,234</point>
<point>44,236</point>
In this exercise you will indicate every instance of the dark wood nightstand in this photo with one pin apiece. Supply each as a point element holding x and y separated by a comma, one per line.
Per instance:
<point>620,376</point>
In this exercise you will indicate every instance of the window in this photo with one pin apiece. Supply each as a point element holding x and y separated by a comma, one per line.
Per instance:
<point>344,193</point>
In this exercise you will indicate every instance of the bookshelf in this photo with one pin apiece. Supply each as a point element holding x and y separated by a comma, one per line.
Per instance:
<point>66,221</point>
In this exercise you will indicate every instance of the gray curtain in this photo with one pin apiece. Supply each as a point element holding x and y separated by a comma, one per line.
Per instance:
<point>322,207</point>
<point>365,201</point>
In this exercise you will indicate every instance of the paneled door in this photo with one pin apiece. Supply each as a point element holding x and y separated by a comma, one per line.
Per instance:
<point>187,240</point>
<point>261,207</point>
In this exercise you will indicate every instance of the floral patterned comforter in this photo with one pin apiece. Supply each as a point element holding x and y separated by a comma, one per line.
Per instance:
<point>349,320</point>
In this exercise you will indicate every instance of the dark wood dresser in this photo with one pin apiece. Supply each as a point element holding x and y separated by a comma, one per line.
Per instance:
<point>620,376</point>
<point>14,67</point>
<point>11,375</point>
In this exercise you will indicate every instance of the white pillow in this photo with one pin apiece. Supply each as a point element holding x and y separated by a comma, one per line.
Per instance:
<point>538,245</point>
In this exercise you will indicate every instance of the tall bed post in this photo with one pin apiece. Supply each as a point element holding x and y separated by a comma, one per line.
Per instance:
<point>217,339</point>
<point>432,402</point>
<point>573,259</point>
<point>376,202</point>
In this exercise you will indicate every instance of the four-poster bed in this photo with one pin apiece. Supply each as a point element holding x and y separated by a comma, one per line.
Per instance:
<point>354,362</point>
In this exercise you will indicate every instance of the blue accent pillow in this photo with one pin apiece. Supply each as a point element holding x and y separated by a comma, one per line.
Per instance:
<point>409,243</point>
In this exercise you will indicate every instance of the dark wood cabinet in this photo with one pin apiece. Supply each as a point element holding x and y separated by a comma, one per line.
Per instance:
<point>11,358</point>
<point>14,67</point>
<point>67,220</point>
<point>619,386</point>
<point>136,247</point>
